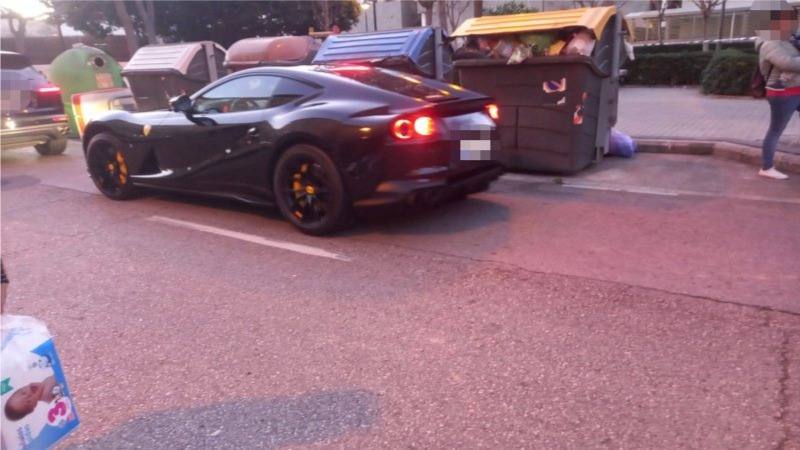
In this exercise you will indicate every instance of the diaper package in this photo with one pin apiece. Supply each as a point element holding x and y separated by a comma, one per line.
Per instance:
<point>37,408</point>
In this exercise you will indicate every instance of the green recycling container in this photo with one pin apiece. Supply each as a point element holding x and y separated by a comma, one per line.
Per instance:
<point>83,69</point>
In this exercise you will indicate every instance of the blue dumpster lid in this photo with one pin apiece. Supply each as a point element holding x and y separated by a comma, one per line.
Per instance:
<point>379,45</point>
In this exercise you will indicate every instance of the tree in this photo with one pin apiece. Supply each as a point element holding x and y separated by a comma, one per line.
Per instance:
<point>453,10</point>
<point>427,5</point>
<point>56,18</point>
<point>662,6</point>
<point>328,13</point>
<point>477,8</point>
<point>706,7</point>
<point>224,22</point>
<point>17,24</point>
<point>127,24</point>
<point>100,18</point>
<point>511,7</point>
<point>229,21</point>
<point>147,13</point>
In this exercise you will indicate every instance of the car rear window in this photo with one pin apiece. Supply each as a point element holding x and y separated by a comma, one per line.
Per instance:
<point>10,61</point>
<point>389,80</point>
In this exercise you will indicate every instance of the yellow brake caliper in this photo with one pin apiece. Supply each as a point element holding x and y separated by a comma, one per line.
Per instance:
<point>123,168</point>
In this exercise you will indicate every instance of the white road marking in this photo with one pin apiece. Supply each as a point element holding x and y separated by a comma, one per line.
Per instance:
<point>631,189</point>
<point>297,248</point>
<point>550,180</point>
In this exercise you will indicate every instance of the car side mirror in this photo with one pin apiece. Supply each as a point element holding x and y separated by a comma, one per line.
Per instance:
<point>181,103</point>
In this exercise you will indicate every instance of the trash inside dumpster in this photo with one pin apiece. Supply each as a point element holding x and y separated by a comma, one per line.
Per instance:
<point>553,76</point>
<point>157,73</point>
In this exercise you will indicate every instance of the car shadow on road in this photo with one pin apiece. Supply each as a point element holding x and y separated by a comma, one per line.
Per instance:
<point>251,423</point>
<point>396,219</point>
<point>448,218</point>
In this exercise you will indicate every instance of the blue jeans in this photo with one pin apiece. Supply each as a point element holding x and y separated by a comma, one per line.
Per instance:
<point>781,111</point>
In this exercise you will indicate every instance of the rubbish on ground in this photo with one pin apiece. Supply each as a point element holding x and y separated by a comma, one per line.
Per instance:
<point>37,406</point>
<point>620,144</point>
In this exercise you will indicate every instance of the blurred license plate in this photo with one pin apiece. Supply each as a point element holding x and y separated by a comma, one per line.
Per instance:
<point>474,133</point>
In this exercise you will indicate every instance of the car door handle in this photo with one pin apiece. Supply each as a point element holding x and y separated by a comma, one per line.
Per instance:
<point>252,132</point>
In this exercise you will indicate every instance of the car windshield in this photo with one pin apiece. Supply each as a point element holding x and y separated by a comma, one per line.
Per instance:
<point>389,80</point>
<point>12,61</point>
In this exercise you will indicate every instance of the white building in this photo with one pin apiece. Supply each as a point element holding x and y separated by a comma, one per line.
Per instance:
<point>685,24</point>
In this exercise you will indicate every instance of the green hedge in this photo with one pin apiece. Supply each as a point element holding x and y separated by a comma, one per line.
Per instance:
<point>729,73</point>
<point>745,46</point>
<point>673,69</point>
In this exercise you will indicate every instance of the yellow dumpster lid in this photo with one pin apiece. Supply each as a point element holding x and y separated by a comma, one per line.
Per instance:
<point>592,18</point>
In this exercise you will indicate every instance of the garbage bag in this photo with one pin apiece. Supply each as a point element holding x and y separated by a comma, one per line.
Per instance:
<point>582,43</point>
<point>521,53</point>
<point>37,408</point>
<point>620,144</point>
<point>539,43</point>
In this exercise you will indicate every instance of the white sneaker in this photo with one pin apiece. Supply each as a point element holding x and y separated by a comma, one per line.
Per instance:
<point>773,173</point>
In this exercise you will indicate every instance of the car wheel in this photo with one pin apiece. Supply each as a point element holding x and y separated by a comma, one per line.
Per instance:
<point>108,168</point>
<point>52,147</point>
<point>309,191</point>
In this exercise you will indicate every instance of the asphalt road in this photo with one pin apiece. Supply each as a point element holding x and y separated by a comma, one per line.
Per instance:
<point>649,303</point>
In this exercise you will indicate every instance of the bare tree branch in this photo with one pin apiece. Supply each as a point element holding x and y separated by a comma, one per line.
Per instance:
<point>706,7</point>
<point>455,9</point>
<point>127,24</point>
<point>17,30</point>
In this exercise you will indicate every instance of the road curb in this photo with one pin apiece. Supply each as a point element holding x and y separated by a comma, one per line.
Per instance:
<point>747,154</point>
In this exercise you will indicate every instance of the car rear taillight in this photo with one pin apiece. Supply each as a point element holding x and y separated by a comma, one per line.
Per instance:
<point>49,89</point>
<point>403,129</point>
<point>493,111</point>
<point>48,96</point>
<point>422,126</point>
<point>78,112</point>
<point>351,68</point>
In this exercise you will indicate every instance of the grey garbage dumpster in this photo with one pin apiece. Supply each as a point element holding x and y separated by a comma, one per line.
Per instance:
<point>550,109</point>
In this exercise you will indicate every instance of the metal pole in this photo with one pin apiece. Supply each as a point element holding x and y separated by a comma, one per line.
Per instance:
<point>721,27</point>
<point>438,54</point>
<point>375,14</point>
<point>617,47</point>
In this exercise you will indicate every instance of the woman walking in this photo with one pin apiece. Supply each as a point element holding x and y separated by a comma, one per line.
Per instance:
<point>779,62</point>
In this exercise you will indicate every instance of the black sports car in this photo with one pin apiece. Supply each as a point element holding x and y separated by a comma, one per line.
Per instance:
<point>313,140</point>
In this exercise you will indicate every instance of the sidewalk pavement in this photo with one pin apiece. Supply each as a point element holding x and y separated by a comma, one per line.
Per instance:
<point>678,113</point>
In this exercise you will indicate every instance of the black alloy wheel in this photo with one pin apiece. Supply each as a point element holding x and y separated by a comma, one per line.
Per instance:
<point>309,190</point>
<point>108,168</point>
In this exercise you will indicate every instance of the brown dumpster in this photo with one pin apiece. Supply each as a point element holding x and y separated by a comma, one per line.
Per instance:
<point>270,51</point>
